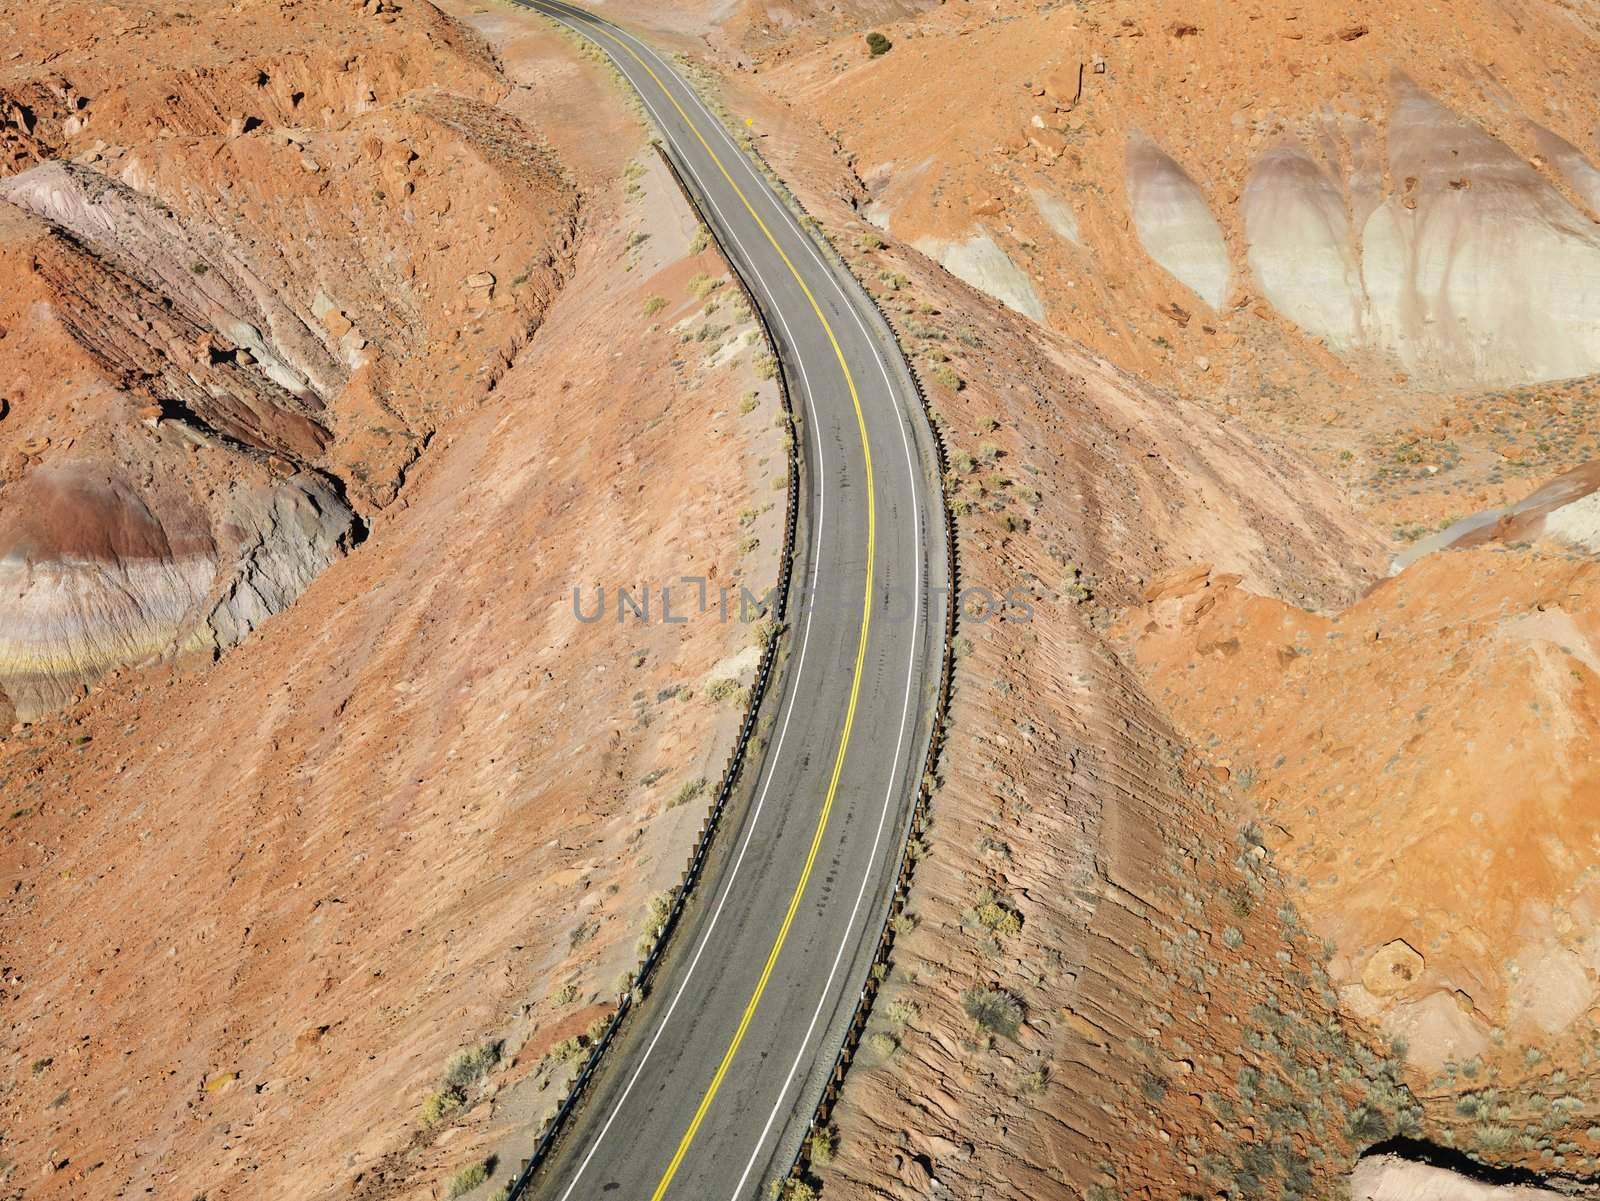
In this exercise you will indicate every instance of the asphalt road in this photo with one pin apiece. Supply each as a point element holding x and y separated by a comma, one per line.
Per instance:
<point>707,1095</point>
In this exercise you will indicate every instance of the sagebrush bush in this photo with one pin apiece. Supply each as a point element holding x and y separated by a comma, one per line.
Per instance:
<point>468,1178</point>
<point>993,1009</point>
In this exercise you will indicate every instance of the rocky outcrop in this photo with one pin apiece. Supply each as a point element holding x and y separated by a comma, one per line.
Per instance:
<point>1301,246</point>
<point>1472,271</point>
<point>1174,222</point>
<point>979,261</point>
<point>1478,271</point>
<point>282,537</point>
<point>240,311</point>
<point>98,573</point>
<point>1390,1178</point>
<point>202,270</point>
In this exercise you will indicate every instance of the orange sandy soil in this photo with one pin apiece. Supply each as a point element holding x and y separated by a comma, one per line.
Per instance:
<point>1194,935</point>
<point>1423,766</point>
<point>257,907</point>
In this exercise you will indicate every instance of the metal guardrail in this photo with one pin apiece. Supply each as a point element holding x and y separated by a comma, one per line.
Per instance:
<point>736,758</point>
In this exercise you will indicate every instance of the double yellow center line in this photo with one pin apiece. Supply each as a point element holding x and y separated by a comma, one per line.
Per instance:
<point>608,40</point>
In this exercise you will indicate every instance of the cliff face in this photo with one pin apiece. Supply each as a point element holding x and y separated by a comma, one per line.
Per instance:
<point>253,274</point>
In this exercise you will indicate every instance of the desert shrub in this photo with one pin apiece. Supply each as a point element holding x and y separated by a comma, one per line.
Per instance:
<point>567,1049</point>
<point>994,915</point>
<point>468,1178</point>
<point>702,285</point>
<point>654,305</point>
<point>691,788</point>
<point>993,1009</point>
<point>822,1145</point>
<point>883,1043</point>
<point>656,912</point>
<point>702,239</point>
<point>747,403</point>
<point>438,1106</point>
<point>472,1066</point>
<point>902,1012</point>
<point>719,691</point>
<point>877,44</point>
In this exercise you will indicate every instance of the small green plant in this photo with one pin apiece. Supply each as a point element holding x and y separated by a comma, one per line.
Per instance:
<point>637,238</point>
<point>654,305</point>
<point>1035,1081</point>
<point>472,1066</point>
<point>721,691</point>
<point>945,376</point>
<point>993,1009</point>
<point>464,1071</point>
<point>702,239</point>
<point>766,367</point>
<point>468,1178</point>
<point>747,403</point>
<point>996,916</point>
<point>883,1044</point>
<point>822,1146</point>
<point>199,268</point>
<point>793,1190</point>
<point>702,285</point>
<point>438,1106</point>
<point>903,1012</point>
<point>877,44</point>
<point>691,788</point>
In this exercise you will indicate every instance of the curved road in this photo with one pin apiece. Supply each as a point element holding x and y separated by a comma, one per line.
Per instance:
<point>707,1096</point>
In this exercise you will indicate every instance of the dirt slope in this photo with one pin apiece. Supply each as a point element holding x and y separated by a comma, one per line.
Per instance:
<point>249,286</point>
<point>423,810</point>
<point>1422,762</point>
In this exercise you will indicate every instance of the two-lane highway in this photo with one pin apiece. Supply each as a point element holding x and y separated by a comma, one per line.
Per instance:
<point>707,1096</point>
